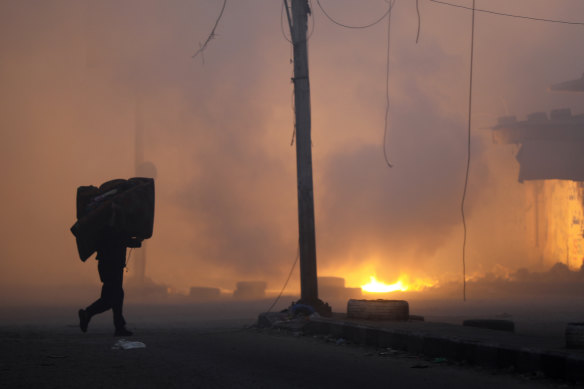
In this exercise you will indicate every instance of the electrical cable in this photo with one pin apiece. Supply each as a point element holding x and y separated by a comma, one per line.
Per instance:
<point>128,260</point>
<point>284,4</point>
<point>419,20</point>
<point>311,14</point>
<point>212,34</point>
<point>354,27</point>
<point>293,102</point>
<point>386,118</point>
<point>287,279</point>
<point>506,14</point>
<point>468,154</point>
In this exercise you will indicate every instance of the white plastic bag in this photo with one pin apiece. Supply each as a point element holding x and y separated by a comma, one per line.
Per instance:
<point>124,344</point>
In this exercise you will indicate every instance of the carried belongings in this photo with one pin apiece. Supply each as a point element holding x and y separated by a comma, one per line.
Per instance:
<point>127,206</point>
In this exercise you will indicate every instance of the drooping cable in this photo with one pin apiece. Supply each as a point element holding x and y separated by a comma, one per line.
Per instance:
<point>506,14</point>
<point>128,260</point>
<point>419,20</point>
<point>212,34</point>
<point>287,279</point>
<point>285,5</point>
<point>348,26</point>
<point>468,154</point>
<point>387,100</point>
<point>293,111</point>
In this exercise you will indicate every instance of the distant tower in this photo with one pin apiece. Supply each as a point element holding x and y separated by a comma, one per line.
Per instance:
<point>142,169</point>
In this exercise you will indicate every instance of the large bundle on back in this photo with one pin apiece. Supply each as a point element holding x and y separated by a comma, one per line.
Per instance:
<point>126,206</point>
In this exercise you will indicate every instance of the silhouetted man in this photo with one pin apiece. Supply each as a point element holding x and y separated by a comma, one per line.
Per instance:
<point>111,256</point>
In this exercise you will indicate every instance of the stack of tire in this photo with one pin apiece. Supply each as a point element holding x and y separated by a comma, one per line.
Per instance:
<point>126,206</point>
<point>250,290</point>
<point>378,309</point>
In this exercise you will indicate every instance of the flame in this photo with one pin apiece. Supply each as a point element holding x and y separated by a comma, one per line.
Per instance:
<point>401,285</point>
<point>379,287</point>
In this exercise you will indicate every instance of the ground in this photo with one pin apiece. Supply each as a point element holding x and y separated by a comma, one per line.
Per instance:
<point>187,347</point>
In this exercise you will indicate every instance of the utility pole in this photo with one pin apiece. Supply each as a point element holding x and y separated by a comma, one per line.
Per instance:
<point>140,254</point>
<point>142,168</point>
<point>306,229</point>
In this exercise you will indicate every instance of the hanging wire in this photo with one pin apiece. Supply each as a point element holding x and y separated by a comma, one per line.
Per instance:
<point>284,4</point>
<point>311,16</point>
<point>293,102</point>
<point>287,279</point>
<point>128,260</point>
<point>419,20</point>
<point>387,101</point>
<point>348,26</point>
<point>212,34</point>
<point>506,14</point>
<point>468,154</point>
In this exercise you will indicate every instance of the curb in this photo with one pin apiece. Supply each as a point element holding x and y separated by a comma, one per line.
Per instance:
<point>554,364</point>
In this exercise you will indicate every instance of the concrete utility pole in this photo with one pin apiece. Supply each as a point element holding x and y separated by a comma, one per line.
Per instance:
<point>308,277</point>
<point>142,168</point>
<point>140,254</point>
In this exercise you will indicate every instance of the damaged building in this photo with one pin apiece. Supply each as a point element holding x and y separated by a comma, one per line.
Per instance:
<point>551,164</point>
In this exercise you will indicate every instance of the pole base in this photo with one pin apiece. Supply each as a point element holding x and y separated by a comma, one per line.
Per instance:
<point>320,307</point>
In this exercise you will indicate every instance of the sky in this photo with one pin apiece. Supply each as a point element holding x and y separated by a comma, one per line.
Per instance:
<point>218,128</point>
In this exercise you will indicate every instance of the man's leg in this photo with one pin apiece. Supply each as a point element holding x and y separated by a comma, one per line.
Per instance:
<point>100,305</point>
<point>117,302</point>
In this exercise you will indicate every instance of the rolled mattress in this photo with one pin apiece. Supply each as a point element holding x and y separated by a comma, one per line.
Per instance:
<point>127,206</point>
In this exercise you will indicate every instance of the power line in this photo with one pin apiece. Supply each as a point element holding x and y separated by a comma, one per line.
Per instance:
<point>287,279</point>
<point>386,119</point>
<point>348,26</point>
<point>285,4</point>
<point>506,14</point>
<point>419,20</point>
<point>128,260</point>
<point>212,34</point>
<point>468,154</point>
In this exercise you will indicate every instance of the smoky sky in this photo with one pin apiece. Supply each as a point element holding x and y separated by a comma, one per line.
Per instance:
<point>75,75</point>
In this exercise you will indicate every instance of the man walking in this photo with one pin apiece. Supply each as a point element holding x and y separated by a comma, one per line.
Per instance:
<point>111,257</point>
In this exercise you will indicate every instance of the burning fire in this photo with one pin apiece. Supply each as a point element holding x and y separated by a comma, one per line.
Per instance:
<point>401,285</point>
<point>375,286</point>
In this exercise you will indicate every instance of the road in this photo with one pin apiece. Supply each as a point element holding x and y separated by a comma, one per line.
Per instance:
<point>49,351</point>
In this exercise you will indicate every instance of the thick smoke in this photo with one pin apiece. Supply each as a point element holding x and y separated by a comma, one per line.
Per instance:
<point>77,76</point>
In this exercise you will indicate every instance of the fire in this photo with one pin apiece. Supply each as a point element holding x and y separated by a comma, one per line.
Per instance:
<point>375,286</point>
<point>401,285</point>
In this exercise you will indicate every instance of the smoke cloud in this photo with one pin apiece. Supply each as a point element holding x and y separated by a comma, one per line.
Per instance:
<point>77,77</point>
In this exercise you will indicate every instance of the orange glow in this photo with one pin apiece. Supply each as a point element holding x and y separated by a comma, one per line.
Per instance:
<point>401,285</point>
<point>379,287</point>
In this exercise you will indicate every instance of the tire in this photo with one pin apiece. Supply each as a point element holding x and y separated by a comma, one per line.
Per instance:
<point>575,335</point>
<point>491,324</point>
<point>378,309</point>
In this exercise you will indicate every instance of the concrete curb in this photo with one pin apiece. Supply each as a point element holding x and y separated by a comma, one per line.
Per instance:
<point>554,364</point>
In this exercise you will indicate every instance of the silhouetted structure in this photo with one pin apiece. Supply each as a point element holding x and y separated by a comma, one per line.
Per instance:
<point>307,239</point>
<point>250,290</point>
<point>550,148</point>
<point>204,293</point>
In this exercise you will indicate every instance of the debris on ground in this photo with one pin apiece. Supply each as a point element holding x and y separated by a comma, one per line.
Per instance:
<point>124,344</point>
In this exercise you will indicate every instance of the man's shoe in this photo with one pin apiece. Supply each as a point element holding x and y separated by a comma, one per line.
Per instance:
<point>83,320</point>
<point>123,332</point>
